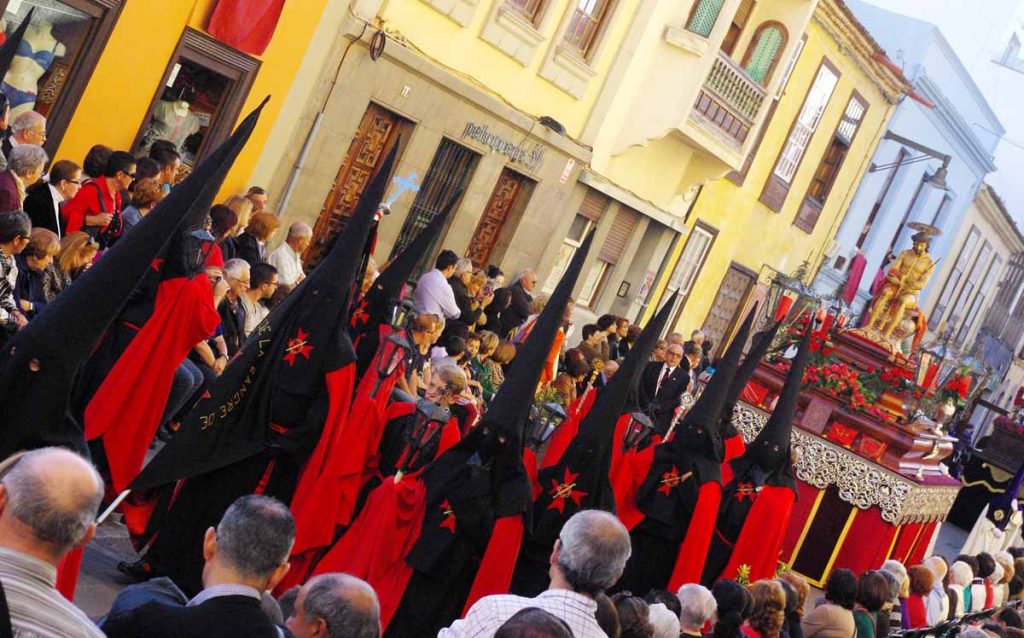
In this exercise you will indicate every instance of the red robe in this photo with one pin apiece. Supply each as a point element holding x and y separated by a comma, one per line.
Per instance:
<point>694,548</point>
<point>375,546</point>
<point>760,540</point>
<point>128,405</point>
<point>735,446</point>
<point>628,476</point>
<point>564,435</point>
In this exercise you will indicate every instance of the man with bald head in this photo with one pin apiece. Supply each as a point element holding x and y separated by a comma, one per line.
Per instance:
<point>587,559</point>
<point>48,503</point>
<point>335,606</point>
<point>288,256</point>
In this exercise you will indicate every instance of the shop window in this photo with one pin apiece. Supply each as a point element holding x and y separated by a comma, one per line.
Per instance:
<point>586,24</point>
<point>765,49</point>
<point>800,134</point>
<point>704,16</point>
<point>200,99</point>
<point>56,57</point>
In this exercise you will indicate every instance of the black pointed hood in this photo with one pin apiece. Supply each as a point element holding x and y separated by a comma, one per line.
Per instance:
<point>10,46</point>
<point>510,408</point>
<point>276,380</point>
<point>39,365</point>
<point>758,348</point>
<point>387,289</point>
<point>770,451</point>
<point>699,431</point>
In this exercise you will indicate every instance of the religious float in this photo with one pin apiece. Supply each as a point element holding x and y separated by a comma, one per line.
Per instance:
<point>868,435</point>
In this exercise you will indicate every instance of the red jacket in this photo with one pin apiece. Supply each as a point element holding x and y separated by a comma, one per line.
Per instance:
<point>87,202</point>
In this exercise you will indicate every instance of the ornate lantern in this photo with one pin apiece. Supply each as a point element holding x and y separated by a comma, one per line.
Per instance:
<point>400,314</point>
<point>392,352</point>
<point>544,420</point>
<point>430,419</point>
<point>639,428</point>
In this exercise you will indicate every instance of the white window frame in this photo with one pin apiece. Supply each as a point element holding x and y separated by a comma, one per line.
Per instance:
<point>806,123</point>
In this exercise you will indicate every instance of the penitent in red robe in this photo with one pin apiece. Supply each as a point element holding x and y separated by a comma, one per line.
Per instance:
<point>760,541</point>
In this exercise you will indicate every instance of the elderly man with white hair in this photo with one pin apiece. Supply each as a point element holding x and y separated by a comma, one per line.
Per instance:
<point>588,558</point>
<point>288,256</point>
<point>698,607</point>
<point>26,128</point>
<point>937,602</point>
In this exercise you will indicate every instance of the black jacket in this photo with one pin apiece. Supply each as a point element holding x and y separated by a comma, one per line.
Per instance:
<point>660,403</point>
<point>232,321</point>
<point>221,616</point>
<point>39,207</point>
<point>518,310</point>
<point>247,248</point>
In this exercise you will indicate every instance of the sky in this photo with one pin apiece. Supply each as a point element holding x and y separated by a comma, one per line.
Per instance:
<point>979,31</point>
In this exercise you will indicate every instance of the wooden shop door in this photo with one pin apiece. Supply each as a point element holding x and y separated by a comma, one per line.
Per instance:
<point>504,197</point>
<point>731,297</point>
<point>377,133</point>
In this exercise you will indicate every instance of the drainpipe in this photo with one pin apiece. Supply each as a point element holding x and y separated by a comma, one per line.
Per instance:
<point>307,144</point>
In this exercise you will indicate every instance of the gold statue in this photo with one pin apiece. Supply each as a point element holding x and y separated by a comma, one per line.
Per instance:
<point>906,277</point>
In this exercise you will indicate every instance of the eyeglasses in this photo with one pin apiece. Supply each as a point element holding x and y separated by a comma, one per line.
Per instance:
<point>131,175</point>
<point>91,241</point>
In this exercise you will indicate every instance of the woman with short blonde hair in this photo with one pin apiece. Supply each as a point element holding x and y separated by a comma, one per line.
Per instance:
<point>77,250</point>
<point>769,610</point>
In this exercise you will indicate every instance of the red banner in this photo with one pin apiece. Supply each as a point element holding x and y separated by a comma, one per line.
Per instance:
<point>247,25</point>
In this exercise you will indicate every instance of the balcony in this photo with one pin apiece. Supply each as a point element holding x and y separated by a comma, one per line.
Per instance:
<point>730,100</point>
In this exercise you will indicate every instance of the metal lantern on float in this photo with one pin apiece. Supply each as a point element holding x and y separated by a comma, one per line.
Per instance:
<point>639,429</point>
<point>393,351</point>
<point>544,420</point>
<point>400,312</point>
<point>430,419</point>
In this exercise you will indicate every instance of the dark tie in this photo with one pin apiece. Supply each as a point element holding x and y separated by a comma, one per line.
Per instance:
<point>664,375</point>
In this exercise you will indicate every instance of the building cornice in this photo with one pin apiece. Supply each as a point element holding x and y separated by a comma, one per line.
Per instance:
<point>856,42</point>
<point>949,117</point>
<point>994,209</point>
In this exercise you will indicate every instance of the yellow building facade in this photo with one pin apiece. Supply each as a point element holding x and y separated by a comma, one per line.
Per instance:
<point>782,207</point>
<point>116,64</point>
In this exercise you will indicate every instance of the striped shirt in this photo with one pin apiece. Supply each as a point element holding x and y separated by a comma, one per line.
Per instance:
<point>488,614</point>
<point>37,609</point>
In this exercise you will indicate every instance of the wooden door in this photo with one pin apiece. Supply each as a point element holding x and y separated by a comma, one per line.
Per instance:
<point>377,133</point>
<point>731,296</point>
<point>488,230</point>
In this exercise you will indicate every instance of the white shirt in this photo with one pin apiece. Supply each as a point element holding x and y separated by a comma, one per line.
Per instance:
<point>937,604</point>
<point>434,296</point>
<point>254,313</point>
<point>288,264</point>
<point>57,199</point>
<point>490,613</point>
<point>665,373</point>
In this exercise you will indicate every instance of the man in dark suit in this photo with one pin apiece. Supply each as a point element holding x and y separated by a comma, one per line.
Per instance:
<point>662,385</point>
<point>245,555</point>
<point>45,198</point>
<point>521,298</point>
<point>692,363</point>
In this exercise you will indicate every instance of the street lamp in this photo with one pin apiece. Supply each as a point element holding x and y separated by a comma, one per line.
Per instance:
<point>430,419</point>
<point>544,420</point>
